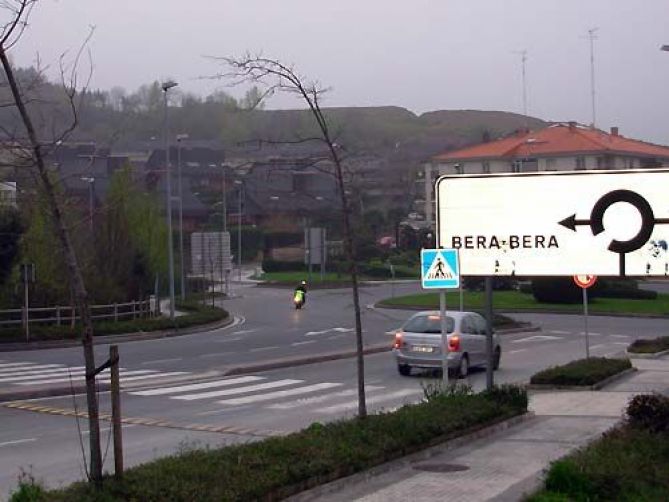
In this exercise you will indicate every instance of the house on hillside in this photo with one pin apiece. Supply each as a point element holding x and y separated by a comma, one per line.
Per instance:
<point>559,147</point>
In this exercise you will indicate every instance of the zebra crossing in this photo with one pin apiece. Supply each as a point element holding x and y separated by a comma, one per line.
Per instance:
<point>280,394</point>
<point>30,373</point>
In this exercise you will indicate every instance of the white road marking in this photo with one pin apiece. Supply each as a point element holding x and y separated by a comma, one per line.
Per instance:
<point>593,347</point>
<point>227,340</point>
<point>74,376</point>
<point>590,333</point>
<point>279,394</point>
<point>516,351</point>
<point>372,400</point>
<point>559,332</point>
<point>238,390</point>
<point>40,371</point>
<point>620,343</point>
<point>343,330</point>
<point>536,338</point>
<point>620,336</point>
<point>17,441</point>
<point>244,331</point>
<point>106,429</point>
<point>305,401</point>
<point>162,361</point>
<point>329,330</point>
<point>216,354</point>
<point>315,333</point>
<point>296,344</point>
<point>4,368</point>
<point>144,377</point>
<point>195,386</point>
<point>260,349</point>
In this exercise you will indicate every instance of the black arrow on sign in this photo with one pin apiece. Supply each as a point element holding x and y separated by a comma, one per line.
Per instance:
<point>571,222</point>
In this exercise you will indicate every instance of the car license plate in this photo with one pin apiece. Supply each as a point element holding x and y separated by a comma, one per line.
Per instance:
<point>422,348</point>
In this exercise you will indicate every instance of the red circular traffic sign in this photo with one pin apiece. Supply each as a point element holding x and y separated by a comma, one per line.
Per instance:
<point>585,281</point>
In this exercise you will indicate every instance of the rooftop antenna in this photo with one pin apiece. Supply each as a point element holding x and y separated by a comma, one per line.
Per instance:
<point>592,37</point>
<point>523,60</point>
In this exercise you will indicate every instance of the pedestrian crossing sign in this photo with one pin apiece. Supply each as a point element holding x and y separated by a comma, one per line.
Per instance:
<point>440,268</point>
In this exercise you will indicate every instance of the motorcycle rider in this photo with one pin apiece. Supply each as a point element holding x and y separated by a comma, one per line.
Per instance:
<point>303,288</point>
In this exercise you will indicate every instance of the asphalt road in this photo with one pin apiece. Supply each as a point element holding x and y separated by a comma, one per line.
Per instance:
<point>248,407</point>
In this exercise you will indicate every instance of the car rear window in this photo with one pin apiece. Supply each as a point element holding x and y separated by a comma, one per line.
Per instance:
<point>428,324</point>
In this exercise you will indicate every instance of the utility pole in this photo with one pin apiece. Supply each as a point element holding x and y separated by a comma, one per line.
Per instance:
<point>592,37</point>
<point>182,282</point>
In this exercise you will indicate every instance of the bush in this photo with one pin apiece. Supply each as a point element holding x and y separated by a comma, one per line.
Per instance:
<point>646,346</point>
<point>581,372</point>
<point>621,288</point>
<point>556,290</point>
<point>649,411</point>
<point>498,283</point>
<point>283,266</point>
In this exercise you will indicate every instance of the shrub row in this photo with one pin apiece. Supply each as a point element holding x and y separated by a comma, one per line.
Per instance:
<point>649,346</point>
<point>278,467</point>
<point>629,463</point>
<point>197,314</point>
<point>581,372</point>
<point>563,290</point>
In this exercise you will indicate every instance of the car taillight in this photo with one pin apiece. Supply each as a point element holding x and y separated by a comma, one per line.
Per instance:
<point>454,343</point>
<point>399,342</point>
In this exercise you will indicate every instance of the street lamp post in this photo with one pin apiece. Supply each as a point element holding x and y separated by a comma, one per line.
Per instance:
<point>181,137</point>
<point>239,229</point>
<point>166,86</point>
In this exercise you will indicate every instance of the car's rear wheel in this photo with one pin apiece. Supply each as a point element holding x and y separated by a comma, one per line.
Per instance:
<point>496,358</point>
<point>463,369</point>
<point>404,369</point>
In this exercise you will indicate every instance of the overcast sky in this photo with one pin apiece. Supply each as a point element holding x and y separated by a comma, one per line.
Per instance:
<point>420,54</point>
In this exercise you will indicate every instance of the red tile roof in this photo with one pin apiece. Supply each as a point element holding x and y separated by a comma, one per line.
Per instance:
<point>556,140</point>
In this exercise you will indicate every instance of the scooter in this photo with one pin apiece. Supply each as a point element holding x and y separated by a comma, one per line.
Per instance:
<point>298,299</point>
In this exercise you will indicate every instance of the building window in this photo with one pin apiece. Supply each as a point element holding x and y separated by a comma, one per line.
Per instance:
<point>580,162</point>
<point>486,166</point>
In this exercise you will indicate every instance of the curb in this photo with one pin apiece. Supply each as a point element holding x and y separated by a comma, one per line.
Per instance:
<point>332,487</point>
<point>596,386</point>
<point>120,338</point>
<point>646,355</point>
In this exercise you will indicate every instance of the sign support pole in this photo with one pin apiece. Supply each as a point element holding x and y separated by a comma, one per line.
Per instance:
<point>585,320</point>
<point>444,336</point>
<point>489,372</point>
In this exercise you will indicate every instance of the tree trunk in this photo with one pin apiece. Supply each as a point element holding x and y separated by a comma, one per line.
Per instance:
<point>73,270</point>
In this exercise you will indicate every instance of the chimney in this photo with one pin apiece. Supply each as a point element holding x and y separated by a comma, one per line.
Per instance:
<point>572,125</point>
<point>614,131</point>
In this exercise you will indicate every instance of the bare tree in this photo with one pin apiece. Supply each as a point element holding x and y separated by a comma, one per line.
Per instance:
<point>278,77</point>
<point>31,148</point>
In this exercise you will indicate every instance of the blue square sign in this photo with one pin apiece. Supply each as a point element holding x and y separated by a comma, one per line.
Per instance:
<point>440,268</point>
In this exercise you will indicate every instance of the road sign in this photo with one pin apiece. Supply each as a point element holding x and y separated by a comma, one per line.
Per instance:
<point>585,281</point>
<point>440,268</point>
<point>557,223</point>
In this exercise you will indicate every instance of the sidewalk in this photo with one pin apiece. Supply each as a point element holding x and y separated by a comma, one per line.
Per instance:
<point>506,465</point>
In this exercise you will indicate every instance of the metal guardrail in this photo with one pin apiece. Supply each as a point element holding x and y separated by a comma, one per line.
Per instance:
<point>68,314</point>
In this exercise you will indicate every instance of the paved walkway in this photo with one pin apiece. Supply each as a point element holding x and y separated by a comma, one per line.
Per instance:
<point>509,464</point>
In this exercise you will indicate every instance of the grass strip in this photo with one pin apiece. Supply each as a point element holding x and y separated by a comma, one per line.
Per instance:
<point>197,314</point>
<point>581,372</point>
<point>279,467</point>
<point>649,346</point>
<point>516,300</point>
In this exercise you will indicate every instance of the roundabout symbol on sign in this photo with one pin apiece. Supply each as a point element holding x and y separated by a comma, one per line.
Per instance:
<point>596,222</point>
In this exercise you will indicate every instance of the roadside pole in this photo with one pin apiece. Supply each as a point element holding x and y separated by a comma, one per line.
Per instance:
<point>444,336</point>
<point>462,298</point>
<point>489,371</point>
<point>26,306</point>
<point>116,412</point>
<point>585,320</point>
<point>584,282</point>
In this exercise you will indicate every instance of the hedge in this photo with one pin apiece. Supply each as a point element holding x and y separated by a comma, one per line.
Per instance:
<point>198,314</point>
<point>581,372</point>
<point>649,346</point>
<point>278,467</point>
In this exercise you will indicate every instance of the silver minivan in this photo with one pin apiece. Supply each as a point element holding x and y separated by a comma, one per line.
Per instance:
<point>418,343</point>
